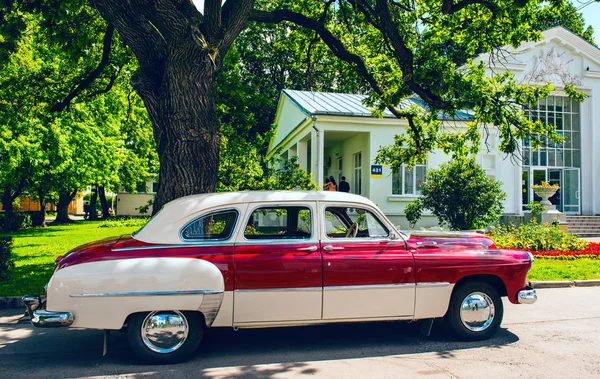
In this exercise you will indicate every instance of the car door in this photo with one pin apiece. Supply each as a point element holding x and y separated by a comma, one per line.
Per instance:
<point>278,267</point>
<point>366,272</point>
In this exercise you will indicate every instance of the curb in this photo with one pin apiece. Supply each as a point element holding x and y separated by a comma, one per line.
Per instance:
<point>11,302</point>
<point>565,283</point>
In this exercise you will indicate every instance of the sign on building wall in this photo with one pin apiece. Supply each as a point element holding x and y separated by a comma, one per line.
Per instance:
<point>376,171</point>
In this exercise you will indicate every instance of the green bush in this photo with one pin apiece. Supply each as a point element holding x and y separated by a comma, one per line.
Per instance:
<point>119,222</point>
<point>413,212</point>
<point>461,195</point>
<point>535,237</point>
<point>20,220</point>
<point>6,261</point>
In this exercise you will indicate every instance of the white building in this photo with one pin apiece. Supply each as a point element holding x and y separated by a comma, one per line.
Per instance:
<point>334,134</point>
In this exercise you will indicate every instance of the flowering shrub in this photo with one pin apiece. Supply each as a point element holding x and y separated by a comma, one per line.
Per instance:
<point>591,251</point>
<point>535,237</point>
<point>545,185</point>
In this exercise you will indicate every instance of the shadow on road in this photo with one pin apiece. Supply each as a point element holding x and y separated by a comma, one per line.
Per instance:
<point>77,353</point>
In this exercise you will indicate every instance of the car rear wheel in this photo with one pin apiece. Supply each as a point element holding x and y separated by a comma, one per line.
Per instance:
<point>475,311</point>
<point>165,336</point>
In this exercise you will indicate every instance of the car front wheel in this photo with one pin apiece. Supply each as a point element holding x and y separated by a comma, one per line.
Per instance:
<point>475,311</point>
<point>165,336</point>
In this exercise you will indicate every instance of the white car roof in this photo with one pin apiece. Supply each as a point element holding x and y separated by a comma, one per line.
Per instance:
<point>164,227</point>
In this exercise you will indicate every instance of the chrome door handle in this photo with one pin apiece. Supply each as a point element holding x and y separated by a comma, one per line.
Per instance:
<point>329,248</point>
<point>310,248</point>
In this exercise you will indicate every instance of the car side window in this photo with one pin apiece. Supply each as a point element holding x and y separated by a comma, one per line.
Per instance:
<point>214,226</point>
<point>345,222</point>
<point>279,223</point>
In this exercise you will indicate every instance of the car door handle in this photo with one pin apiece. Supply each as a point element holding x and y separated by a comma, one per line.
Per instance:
<point>309,248</point>
<point>330,248</point>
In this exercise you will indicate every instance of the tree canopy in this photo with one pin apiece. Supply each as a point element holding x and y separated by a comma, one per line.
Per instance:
<point>397,48</point>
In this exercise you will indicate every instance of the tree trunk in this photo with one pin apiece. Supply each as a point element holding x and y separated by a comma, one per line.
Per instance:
<point>94,204</point>
<point>186,127</point>
<point>41,221</point>
<point>103,203</point>
<point>7,206</point>
<point>62,207</point>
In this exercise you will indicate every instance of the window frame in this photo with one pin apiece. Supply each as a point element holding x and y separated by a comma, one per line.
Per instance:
<point>402,172</point>
<point>251,211</point>
<point>206,214</point>
<point>381,220</point>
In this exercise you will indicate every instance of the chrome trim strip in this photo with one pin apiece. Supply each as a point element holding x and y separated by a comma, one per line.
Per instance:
<point>280,289</point>
<point>148,293</point>
<point>211,304</point>
<point>370,286</point>
<point>197,244</point>
<point>288,241</point>
<point>433,284</point>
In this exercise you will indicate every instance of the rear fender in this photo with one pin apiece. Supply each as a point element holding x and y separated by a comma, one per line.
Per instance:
<point>102,294</point>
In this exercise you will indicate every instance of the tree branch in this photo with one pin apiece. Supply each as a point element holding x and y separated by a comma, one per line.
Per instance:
<point>448,6</point>
<point>212,21</point>
<point>338,48</point>
<point>89,79</point>
<point>235,13</point>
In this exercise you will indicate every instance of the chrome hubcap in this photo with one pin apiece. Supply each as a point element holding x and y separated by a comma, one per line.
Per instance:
<point>477,312</point>
<point>164,331</point>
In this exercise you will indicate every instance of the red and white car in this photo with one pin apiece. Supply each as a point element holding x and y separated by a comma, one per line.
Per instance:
<point>277,258</point>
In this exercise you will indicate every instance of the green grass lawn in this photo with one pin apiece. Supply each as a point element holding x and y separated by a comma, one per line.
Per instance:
<point>34,250</point>
<point>558,269</point>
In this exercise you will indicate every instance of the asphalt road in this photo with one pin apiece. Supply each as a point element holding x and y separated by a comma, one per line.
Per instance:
<point>558,337</point>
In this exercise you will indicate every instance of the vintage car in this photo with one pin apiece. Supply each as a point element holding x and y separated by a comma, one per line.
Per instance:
<point>276,258</point>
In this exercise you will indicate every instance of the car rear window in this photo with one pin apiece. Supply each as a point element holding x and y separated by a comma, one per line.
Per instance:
<point>279,223</point>
<point>214,226</point>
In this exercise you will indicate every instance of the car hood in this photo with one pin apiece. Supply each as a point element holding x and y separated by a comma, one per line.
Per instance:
<point>449,240</point>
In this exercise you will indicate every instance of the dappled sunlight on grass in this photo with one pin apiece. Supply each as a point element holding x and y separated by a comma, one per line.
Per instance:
<point>35,250</point>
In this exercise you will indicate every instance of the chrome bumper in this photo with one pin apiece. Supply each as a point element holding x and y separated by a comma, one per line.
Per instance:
<point>527,296</point>
<point>42,318</point>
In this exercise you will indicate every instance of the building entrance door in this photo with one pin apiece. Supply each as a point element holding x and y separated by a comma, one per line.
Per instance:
<point>566,198</point>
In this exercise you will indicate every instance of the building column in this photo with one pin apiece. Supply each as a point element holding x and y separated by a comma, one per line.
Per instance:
<point>318,155</point>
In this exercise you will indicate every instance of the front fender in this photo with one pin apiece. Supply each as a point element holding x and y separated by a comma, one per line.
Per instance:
<point>101,295</point>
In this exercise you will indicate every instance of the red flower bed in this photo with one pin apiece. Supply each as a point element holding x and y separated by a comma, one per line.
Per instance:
<point>591,251</point>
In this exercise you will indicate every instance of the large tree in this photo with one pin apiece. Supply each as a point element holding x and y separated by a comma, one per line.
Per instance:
<point>401,48</point>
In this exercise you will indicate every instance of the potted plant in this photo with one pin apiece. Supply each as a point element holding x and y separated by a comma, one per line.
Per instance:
<point>545,190</point>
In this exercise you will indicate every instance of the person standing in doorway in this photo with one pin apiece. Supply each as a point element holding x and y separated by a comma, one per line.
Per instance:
<point>328,186</point>
<point>344,185</point>
<point>86,210</point>
<point>332,180</point>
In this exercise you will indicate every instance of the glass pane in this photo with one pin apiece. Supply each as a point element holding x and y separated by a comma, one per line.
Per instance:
<point>575,122</point>
<point>567,122</point>
<point>526,157</point>
<point>558,101</point>
<point>570,188</point>
<point>568,161</point>
<point>576,140</point>
<point>525,187</point>
<point>575,107</point>
<point>409,182</point>
<point>536,158</point>
<point>543,157</point>
<point>215,226</point>
<point>550,103</point>
<point>559,121</point>
<point>568,140</point>
<point>576,158</point>
<point>397,182</point>
<point>559,158</point>
<point>420,178</point>
<point>279,223</point>
<point>551,157</point>
<point>568,102</point>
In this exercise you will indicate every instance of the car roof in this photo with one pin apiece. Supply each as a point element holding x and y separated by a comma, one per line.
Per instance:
<point>164,227</point>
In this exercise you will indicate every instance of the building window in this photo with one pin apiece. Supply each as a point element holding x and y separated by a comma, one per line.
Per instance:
<point>564,113</point>
<point>154,187</point>
<point>357,173</point>
<point>408,181</point>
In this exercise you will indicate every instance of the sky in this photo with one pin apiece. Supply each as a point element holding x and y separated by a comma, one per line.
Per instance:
<point>591,14</point>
